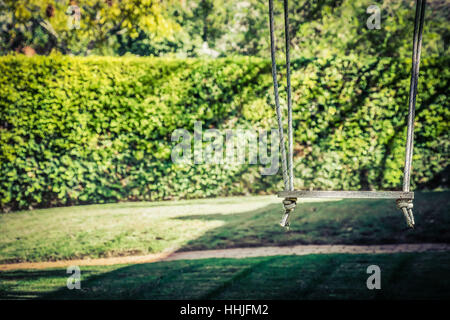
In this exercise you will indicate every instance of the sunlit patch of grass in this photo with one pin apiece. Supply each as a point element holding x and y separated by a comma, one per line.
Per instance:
<point>111,230</point>
<point>142,227</point>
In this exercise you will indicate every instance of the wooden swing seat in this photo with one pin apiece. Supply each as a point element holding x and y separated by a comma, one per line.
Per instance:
<point>347,194</point>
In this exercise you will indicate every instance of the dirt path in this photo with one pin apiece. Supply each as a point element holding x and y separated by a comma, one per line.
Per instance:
<point>234,253</point>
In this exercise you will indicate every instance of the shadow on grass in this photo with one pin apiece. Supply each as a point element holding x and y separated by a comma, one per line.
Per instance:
<point>29,284</point>
<point>331,222</point>
<point>406,276</point>
<point>332,276</point>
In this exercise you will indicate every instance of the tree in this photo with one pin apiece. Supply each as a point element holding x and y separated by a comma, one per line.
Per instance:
<point>43,25</point>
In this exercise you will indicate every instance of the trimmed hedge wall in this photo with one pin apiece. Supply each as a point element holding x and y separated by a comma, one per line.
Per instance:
<point>93,130</point>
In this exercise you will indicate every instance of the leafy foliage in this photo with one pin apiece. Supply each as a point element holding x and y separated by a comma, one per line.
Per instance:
<point>94,130</point>
<point>25,22</point>
<point>357,115</point>
<point>320,28</point>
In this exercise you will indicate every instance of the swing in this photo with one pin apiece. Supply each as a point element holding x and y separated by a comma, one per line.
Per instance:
<point>404,198</point>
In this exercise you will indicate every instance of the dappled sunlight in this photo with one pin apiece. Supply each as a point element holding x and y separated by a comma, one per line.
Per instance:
<point>111,230</point>
<point>133,229</point>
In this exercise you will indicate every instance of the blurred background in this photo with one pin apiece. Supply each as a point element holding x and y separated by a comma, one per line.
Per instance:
<point>92,90</point>
<point>87,121</point>
<point>194,28</point>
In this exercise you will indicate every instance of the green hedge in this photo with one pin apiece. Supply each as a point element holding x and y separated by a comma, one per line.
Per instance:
<point>95,130</point>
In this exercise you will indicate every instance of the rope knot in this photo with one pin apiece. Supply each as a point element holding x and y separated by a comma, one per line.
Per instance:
<point>289,206</point>
<point>406,205</point>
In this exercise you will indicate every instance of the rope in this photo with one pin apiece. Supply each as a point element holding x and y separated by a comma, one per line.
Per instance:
<point>277,99</point>
<point>286,163</point>
<point>417,45</point>
<point>407,205</point>
<point>289,96</point>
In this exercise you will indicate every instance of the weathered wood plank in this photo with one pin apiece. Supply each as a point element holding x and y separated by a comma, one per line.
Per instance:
<point>347,194</point>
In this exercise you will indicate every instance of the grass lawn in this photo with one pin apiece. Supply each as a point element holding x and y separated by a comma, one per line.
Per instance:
<point>336,276</point>
<point>140,228</point>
